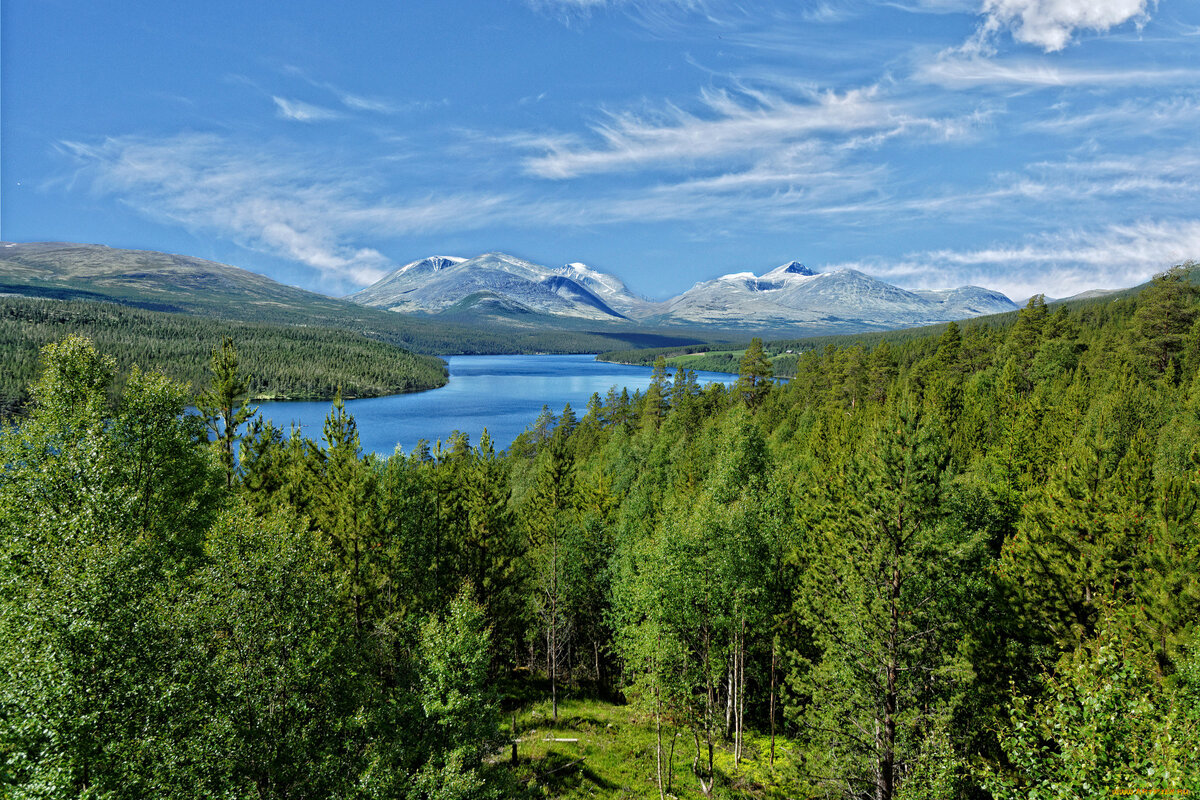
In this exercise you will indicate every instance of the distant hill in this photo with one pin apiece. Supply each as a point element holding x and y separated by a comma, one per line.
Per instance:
<point>157,281</point>
<point>282,362</point>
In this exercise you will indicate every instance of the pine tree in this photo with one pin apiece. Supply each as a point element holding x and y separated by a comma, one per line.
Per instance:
<point>881,371</point>
<point>223,405</point>
<point>1079,543</point>
<point>346,510</point>
<point>654,403</point>
<point>754,374</point>
<point>549,512</point>
<point>878,596</point>
<point>492,552</point>
<point>1165,313</point>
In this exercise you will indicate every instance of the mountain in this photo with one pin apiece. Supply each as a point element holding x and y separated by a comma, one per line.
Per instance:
<point>493,282</point>
<point>968,301</point>
<point>1090,294</point>
<point>153,277</point>
<point>182,284</point>
<point>789,297</point>
<point>793,296</point>
<point>491,303</point>
<point>609,288</point>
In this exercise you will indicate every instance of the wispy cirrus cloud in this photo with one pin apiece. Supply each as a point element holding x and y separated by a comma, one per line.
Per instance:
<point>309,211</point>
<point>1134,117</point>
<point>955,71</point>
<point>299,111</point>
<point>738,127</point>
<point>1059,264</point>
<point>273,202</point>
<point>1044,193</point>
<point>350,100</point>
<point>634,5</point>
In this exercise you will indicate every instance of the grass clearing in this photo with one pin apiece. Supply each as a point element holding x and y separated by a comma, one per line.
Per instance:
<point>613,756</point>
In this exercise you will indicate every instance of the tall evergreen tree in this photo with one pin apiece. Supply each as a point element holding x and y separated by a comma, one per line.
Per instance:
<point>223,405</point>
<point>548,514</point>
<point>878,596</point>
<point>754,374</point>
<point>1165,313</point>
<point>654,403</point>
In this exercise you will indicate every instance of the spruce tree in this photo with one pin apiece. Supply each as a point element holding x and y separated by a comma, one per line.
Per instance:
<point>1165,313</point>
<point>754,374</point>
<point>223,405</point>
<point>878,596</point>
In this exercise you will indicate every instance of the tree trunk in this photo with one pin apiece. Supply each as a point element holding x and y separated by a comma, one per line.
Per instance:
<point>774,649</point>
<point>729,692</point>
<point>662,795</point>
<point>741,701</point>
<point>887,761</point>
<point>554,625</point>
<point>671,761</point>
<point>514,739</point>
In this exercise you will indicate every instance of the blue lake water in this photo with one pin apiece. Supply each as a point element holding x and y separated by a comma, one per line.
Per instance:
<point>502,393</point>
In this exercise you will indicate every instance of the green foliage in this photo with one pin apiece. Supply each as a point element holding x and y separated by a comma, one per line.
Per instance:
<point>1166,311</point>
<point>283,361</point>
<point>98,510</point>
<point>1104,723</point>
<point>223,405</point>
<point>958,562</point>
<point>754,375</point>
<point>263,694</point>
<point>461,707</point>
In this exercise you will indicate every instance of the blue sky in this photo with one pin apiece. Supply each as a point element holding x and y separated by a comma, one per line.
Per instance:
<point>1024,145</point>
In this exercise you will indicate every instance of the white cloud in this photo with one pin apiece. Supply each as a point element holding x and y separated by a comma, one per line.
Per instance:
<point>354,102</point>
<point>360,103</point>
<point>590,5</point>
<point>1136,117</point>
<point>936,6</point>
<point>1051,24</point>
<point>735,127</point>
<point>302,112</point>
<point>662,16</point>
<point>266,201</point>
<point>955,71</point>
<point>1058,264</point>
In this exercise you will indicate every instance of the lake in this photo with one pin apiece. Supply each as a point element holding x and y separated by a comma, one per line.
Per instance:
<point>502,393</point>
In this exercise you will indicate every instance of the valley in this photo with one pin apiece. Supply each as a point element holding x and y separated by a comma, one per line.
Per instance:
<point>167,311</point>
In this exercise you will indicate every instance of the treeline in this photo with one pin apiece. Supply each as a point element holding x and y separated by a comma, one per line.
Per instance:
<point>725,356</point>
<point>962,566</point>
<point>710,357</point>
<point>285,362</point>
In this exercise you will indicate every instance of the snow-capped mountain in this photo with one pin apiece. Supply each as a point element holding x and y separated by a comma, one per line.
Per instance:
<point>490,283</point>
<point>609,288</point>
<point>791,296</point>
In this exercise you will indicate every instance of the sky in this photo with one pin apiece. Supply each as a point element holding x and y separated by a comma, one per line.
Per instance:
<point>1029,146</point>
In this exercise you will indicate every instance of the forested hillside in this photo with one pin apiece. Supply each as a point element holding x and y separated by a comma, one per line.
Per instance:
<point>720,356</point>
<point>286,362</point>
<point>958,566</point>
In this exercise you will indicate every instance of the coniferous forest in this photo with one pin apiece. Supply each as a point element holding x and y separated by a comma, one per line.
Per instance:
<point>958,566</point>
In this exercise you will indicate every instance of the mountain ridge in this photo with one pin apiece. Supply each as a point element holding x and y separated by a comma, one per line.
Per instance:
<point>790,296</point>
<point>180,284</point>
